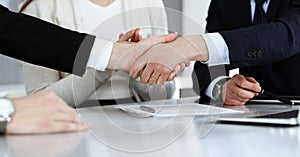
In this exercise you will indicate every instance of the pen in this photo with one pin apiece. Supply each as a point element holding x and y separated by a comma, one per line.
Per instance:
<point>281,99</point>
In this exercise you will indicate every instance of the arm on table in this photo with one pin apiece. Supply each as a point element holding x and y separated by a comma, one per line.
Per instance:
<point>43,112</point>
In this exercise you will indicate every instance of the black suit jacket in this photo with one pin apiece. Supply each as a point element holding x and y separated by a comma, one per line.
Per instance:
<point>269,52</point>
<point>38,42</point>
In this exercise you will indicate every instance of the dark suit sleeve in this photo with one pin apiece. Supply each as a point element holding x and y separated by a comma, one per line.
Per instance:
<point>267,43</point>
<point>38,42</point>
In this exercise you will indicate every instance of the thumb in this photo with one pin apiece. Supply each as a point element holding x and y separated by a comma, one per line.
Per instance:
<point>163,38</point>
<point>171,37</point>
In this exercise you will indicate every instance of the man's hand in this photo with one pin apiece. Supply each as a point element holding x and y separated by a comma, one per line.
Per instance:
<point>43,112</point>
<point>156,66</point>
<point>239,89</point>
<point>125,53</point>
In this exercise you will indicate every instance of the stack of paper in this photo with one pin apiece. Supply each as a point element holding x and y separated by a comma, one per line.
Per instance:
<point>171,110</point>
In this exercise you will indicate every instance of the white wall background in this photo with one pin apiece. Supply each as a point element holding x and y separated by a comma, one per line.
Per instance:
<point>197,10</point>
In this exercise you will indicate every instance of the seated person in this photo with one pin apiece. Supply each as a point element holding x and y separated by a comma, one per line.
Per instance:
<point>277,75</point>
<point>85,16</point>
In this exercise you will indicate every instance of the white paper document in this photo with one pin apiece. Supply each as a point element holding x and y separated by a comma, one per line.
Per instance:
<point>172,110</point>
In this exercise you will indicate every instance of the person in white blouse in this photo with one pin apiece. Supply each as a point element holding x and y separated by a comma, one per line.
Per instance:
<point>85,16</point>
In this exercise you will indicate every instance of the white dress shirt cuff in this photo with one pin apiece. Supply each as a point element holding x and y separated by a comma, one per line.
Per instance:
<point>209,90</point>
<point>217,48</point>
<point>100,54</point>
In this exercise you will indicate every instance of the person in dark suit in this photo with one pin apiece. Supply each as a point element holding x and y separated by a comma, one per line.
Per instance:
<point>270,43</point>
<point>268,51</point>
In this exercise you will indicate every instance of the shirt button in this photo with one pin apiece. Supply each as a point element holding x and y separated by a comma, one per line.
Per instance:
<point>255,53</point>
<point>259,54</point>
<point>249,54</point>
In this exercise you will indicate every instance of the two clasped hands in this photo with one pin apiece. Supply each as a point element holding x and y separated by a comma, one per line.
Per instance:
<point>156,59</point>
<point>161,58</point>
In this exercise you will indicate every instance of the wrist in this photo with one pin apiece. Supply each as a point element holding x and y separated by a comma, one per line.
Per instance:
<point>218,90</point>
<point>118,61</point>
<point>193,47</point>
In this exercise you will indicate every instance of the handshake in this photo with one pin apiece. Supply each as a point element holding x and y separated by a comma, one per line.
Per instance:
<point>156,59</point>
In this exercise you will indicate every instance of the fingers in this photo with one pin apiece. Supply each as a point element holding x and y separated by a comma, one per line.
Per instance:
<point>164,75</point>
<point>171,37</point>
<point>145,76</point>
<point>154,77</point>
<point>258,88</point>
<point>243,82</point>
<point>162,79</point>
<point>164,38</point>
<point>159,76</point>
<point>234,102</point>
<point>178,70</point>
<point>66,117</point>
<point>231,99</point>
<point>137,37</point>
<point>155,73</point>
<point>240,89</point>
<point>251,79</point>
<point>129,35</point>
<point>61,126</point>
<point>172,76</point>
<point>187,64</point>
<point>120,36</point>
<point>137,72</point>
<point>242,93</point>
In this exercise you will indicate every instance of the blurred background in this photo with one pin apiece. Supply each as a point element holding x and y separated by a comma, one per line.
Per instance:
<point>11,80</point>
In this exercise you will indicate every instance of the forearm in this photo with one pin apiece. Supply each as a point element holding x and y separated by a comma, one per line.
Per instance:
<point>37,78</point>
<point>75,90</point>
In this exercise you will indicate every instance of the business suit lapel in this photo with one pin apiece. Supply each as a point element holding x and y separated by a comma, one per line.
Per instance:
<point>273,9</point>
<point>244,16</point>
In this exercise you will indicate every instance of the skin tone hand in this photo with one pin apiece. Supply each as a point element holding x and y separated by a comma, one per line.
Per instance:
<point>41,113</point>
<point>134,36</point>
<point>160,61</point>
<point>239,89</point>
<point>131,36</point>
<point>154,58</point>
<point>125,53</point>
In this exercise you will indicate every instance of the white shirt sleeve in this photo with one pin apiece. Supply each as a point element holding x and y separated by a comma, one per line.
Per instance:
<point>218,54</point>
<point>100,54</point>
<point>209,90</point>
<point>217,48</point>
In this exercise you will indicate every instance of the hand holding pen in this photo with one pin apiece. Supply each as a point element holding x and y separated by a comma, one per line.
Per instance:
<point>240,89</point>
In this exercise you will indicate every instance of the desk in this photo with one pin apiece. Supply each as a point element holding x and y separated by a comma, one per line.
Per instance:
<point>116,134</point>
